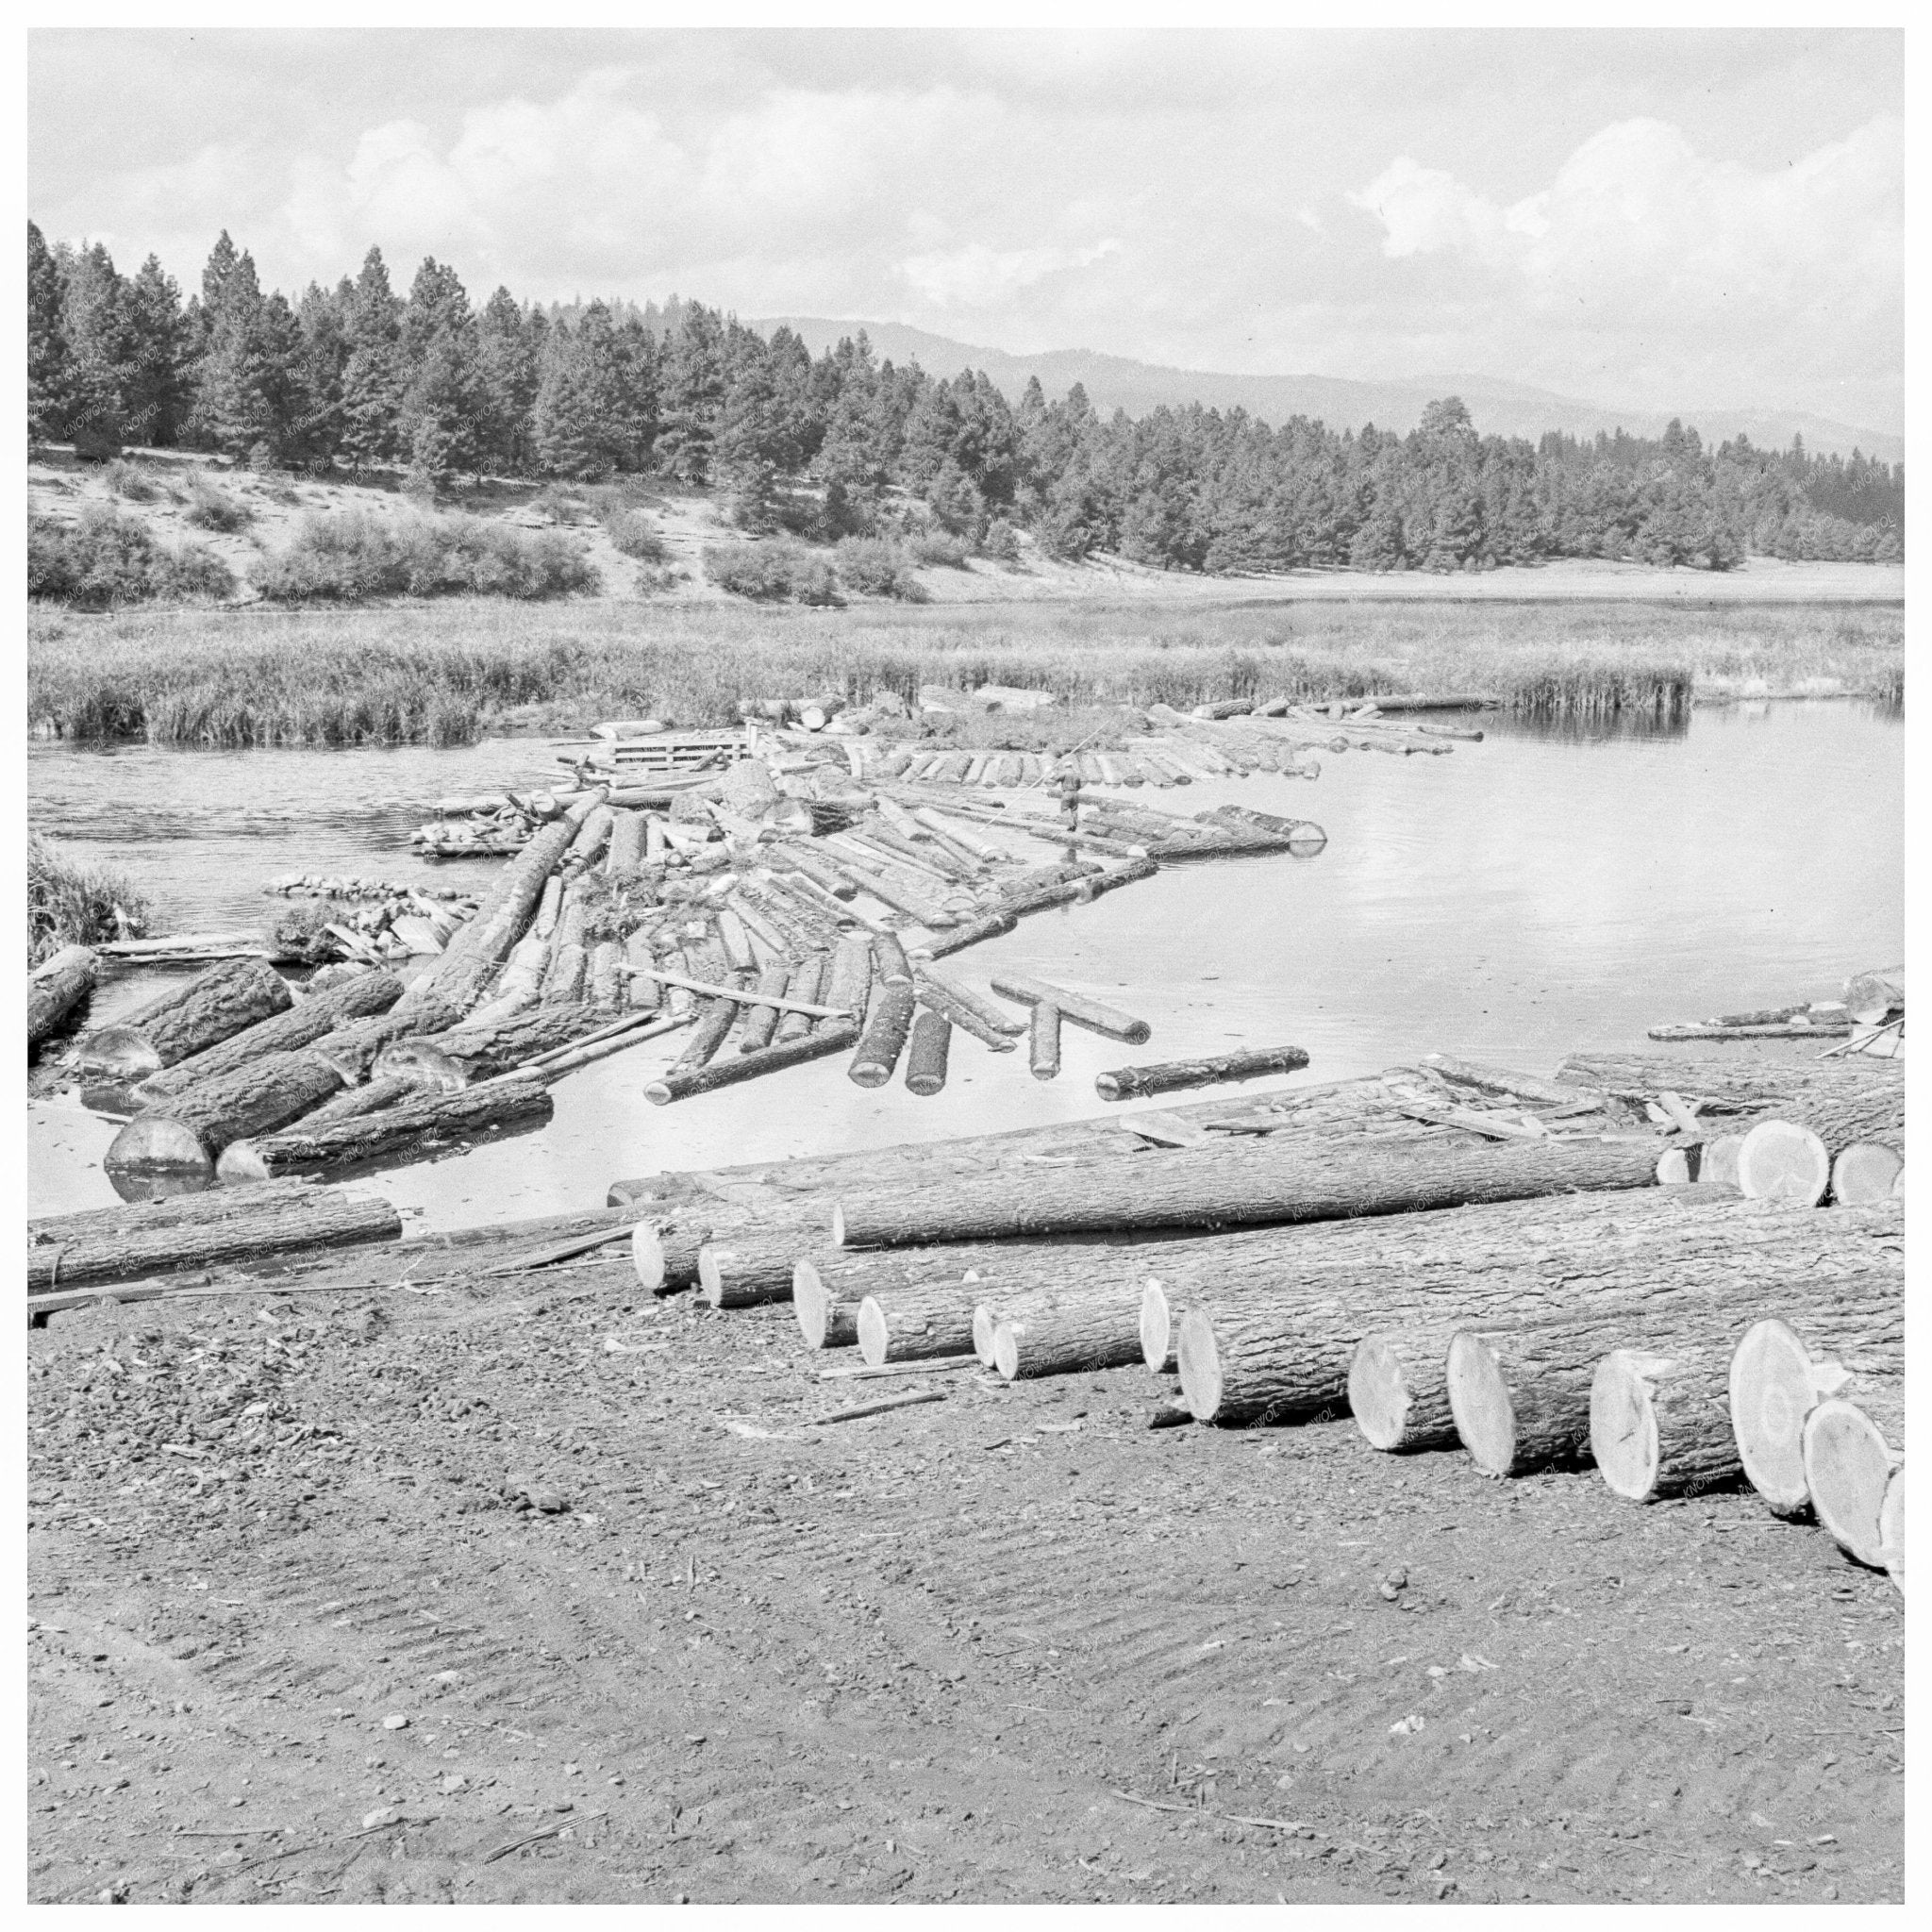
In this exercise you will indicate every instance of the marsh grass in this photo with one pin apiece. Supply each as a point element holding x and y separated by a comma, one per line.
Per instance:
<point>69,904</point>
<point>448,672</point>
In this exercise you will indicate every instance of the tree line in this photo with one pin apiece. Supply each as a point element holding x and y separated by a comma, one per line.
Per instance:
<point>360,377</point>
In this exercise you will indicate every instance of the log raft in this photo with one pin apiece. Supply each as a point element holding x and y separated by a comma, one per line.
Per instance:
<point>186,1020</point>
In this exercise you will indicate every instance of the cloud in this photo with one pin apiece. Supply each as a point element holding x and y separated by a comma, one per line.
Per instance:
<point>982,277</point>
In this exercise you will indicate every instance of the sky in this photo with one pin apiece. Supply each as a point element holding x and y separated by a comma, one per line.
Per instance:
<point>1656,219</point>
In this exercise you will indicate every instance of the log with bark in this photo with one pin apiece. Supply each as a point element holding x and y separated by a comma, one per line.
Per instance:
<point>1275,1337</point>
<point>350,1103</point>
<point>1134,1083</point>
<point>410,1130</point>
<point>471,1051</point>
<point>1065,1335</point>
<point>805,985</point>
<point>186,1020</point>
<point>1785,1365</point>
<point>682,1082</point>
<point>1513,1084</point>
<point>914,1324</point>
<point>570,958</point>
<point>762,1021</point>
<point>884,1036</point>
<point>987,1023</point>
<point>1780,1160</point>
<point>184,1134</point>
<point>364,995</point>
<point>60,985</point>
<point>1273,1180</point>
<point>1851,1446</point>
<point>848,980</point>
<point>1044,1041</point>
<point>198,1230</point>
<point>1724,1084</point>
<point>927,1052</point>
<point>1072,1007</point>
<point>1398,1390</point>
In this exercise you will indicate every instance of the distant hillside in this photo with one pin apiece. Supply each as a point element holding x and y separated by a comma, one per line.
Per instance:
<point>1502,409</point>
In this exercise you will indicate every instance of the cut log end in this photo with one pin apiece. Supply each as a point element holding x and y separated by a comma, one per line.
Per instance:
<point>1717,1162</point>
<point>1006,1349</point>
<point>1379,1392</point>
<point>1866,1171</point>
<point>1480,1401</point>
<point>874,1335</point>
<point>1780,1160</point>
<point>242,1162</point>
<point>811,1303</point>
<point>1773,1385</point>
<point>1622,1425</point>
<point>647,1251</point>
<point>1199,1362</point>
<point>711,1272</point>
<point>1157,1328</point>
<point>838,1226</point>
<point>119,1053</point>
<point>150,1145</point>
<point>1891,1527</point>
<point>1675,1168</point>
<point>1847,1467</point>
<point>984,1324</point>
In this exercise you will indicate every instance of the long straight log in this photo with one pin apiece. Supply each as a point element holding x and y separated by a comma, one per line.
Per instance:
<point>59,986</point>
<point>472,1051</point>
<point>409,1130</point>
<point>804,988</point>
<point>927,1053</point>
<point>1276,1338</point>
<point>1238,1186</point>
<point>716,1018</point>
<point>1851,1448</point>
<point>943,945</point>
<point>680,1083</point>
<point>228,1224</point>
<point>354,1047</point>
<point>351,1103</point>
<point>1785,1365</point>
<point>1091,1014</point>
<point>1515,1086</point>
<point>186,1020</point>
<point>762,1020</point>
<point>936,997</point>
<point>992,1018</point>
<point>848,981</point>
<point>889,965</point>
<point>186,1134</point>
<point>884,1037</point>
<point>1728,1084</point>
<point>363,996</point>
<point>570,958</point>
<point>1132,1083</point>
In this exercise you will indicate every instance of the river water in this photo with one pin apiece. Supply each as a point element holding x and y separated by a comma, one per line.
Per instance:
<point>1520,898</point>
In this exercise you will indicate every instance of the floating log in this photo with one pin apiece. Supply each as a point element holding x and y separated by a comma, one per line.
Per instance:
<point>1864,1172</point>
<point>926,1055</point>
<point>198,1230</point>
<point>57,986</point>
<point>939,997</point>
<point>1044,1041</point>
<point>354,1047</point>
<point>1513,1084</point>
<point>1073,1006</point>
<point>943,945</point>
<point>1398,1390</point>
<point>1236,1186</point>
<point>762,1020</point>
<point>1134,1083</point>
<point>891,966</point>
<point>569,959</point>
<point>1784,1366</point>
<point>716,1018</point>
<point>349,1102</point>
<point>1301,837</point>
<point>410,1130</point>
<point>1780,1161</point>
<point>1274,1337</point>
<point>460,978</point>
<point>884,1038</point>
<point>308,1021</point>
<point>1851,1448</point>
<point>186,1020</point>
<point>185,1134</point>
<point>682,1082</point>
<point>472,1051</point>
<point>804,987</point>
<point>1788,1030</point>
<point>993,1017</point>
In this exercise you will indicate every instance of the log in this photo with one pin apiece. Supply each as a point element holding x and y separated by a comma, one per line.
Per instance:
<point>1865,1172</point>
<point>1274,1337</point>
<point>1072,1007</point>
<point>1133,1083</point>
<point>1661,1423</point>
<point>643,994</point>
<point>914,1324</point>
<point>1871,997</point>
<point>737,948</point>
<point>1851,1448</point>
<point>936,997</point>
<point>848,983</point>
<point>186,1134</point>
<point>745,1266</point>
<point>828,1288</point>
<point>410,1130</point>
<point>1726,1084</point>
<point>1067,1334</point>
<point>716,1018</point>
<point>891,966</point>
<point>803,987</point>
<point>737,995</point>
<point>198,1231</point>
<point>1513,1084</point>
<point>363,996</point>
<point>762,1020</point>
<point>569,959</point>
<point>59,985</point>
<point>1303,837</point>
<point>460,978</point>
<point>1780,1160</point>
<point>993,1018</point>
<point>473,1052</point>
<point>1717,1160</point>
<point>941,945</point>
<point>353,1049</point>
<point>1398,1388</point>
<point>625,853</point>
<point>1044,1041</point>
<point>925,1057</point>
<point>186,1020</point>
<point>884,1038</point>
<point>350,1103</point>
<point>682,1082</point>
<point>1784,1365</point>
<point>607,976</point>
<point>1262,1183</point>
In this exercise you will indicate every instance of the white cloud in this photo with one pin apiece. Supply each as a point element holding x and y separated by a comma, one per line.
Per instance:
<point>978,277</point>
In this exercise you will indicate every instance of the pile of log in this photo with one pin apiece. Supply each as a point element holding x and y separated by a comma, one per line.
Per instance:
<point>1868,1018</point>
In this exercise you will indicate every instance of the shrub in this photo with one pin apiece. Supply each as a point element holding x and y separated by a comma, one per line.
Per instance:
<point>212,508</point>
<point>1002,541</point>
<point>771,571</point>
<point>935,547</point>
<point>353,556</point>
<point>73,905</point>
<point>108,558</point>
<point>875,568</point>
<point>562,504</point>
<point>135,481</point>
<point>635,535</point>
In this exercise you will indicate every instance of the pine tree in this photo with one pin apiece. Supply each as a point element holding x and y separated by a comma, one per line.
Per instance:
<point>506,351</point>
<point>47,359</point>
<point>443,419</point>
<point>93,321</point>
<point>372,377</point>
<point>157,377</point>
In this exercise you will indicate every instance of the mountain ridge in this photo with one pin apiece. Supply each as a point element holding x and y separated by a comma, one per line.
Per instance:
<point>1497,406</point>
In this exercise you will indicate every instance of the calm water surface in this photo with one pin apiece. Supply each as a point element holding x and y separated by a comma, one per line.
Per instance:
<point>1513,901</point>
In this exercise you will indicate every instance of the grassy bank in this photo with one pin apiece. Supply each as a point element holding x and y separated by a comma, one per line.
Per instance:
<point>447,674</point>
<point>70,904</point>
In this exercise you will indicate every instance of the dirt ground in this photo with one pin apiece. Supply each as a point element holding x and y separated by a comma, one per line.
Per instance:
<point>536,1589</point>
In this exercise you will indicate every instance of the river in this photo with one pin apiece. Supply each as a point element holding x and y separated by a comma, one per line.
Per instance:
<point>1534,893</point>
